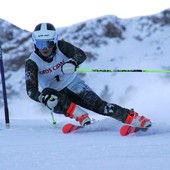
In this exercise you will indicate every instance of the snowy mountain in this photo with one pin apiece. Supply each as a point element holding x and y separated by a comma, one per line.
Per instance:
<point>110,43</point>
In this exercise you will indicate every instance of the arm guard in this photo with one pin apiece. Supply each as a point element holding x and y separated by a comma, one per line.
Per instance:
<point>31,78</point>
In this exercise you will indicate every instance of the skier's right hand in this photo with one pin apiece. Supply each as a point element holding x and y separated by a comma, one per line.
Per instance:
<point>48,100</point>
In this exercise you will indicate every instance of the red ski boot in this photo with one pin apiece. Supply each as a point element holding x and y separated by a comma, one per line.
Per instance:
<point>78,114</point>
<point>134,119</point>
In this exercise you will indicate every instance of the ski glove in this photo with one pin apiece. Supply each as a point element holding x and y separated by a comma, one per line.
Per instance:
<point>49,100</point>
<point>69,67</point>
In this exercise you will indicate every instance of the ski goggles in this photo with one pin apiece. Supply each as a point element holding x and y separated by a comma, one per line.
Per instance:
<point>40,44</point>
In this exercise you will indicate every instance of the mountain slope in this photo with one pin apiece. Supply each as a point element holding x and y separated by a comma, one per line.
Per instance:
<point>110,43</point>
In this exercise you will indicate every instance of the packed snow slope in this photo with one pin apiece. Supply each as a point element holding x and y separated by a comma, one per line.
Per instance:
<point>32,143</point>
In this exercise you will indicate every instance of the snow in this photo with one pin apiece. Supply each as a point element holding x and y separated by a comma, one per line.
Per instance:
<point>37,145</point>
<point>33,143</point>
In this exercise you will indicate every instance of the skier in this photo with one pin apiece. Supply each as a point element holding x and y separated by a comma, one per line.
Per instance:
<point>52,66</point>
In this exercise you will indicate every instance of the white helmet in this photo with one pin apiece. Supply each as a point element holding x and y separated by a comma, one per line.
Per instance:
<point>44,35</point>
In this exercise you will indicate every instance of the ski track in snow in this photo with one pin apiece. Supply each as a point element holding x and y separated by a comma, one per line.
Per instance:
<point>37,145</point>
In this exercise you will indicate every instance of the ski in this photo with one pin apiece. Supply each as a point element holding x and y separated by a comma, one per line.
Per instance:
<point>70,128</point>
<point>126,130</point>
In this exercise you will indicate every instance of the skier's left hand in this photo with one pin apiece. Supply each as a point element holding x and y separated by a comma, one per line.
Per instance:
<point>69,67</point>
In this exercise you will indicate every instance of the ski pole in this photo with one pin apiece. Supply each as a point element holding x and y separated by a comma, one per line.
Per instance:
<point>54,121</point>
<point>85,70</point>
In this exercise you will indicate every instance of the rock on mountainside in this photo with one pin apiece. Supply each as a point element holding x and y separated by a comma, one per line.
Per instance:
<point>92,36</point>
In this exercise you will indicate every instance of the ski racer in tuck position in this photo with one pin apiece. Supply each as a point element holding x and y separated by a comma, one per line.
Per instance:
<point>52,66</point>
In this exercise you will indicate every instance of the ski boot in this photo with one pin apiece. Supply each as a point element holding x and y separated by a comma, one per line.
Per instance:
<point>78,114</point>
<point>126,116</point>
<point>134,119</point>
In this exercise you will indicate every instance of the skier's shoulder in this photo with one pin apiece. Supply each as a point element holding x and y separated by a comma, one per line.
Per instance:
<point>30,62</point>
<point>34,57</point>
<point>64,44</point>
<point>72,51</point>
